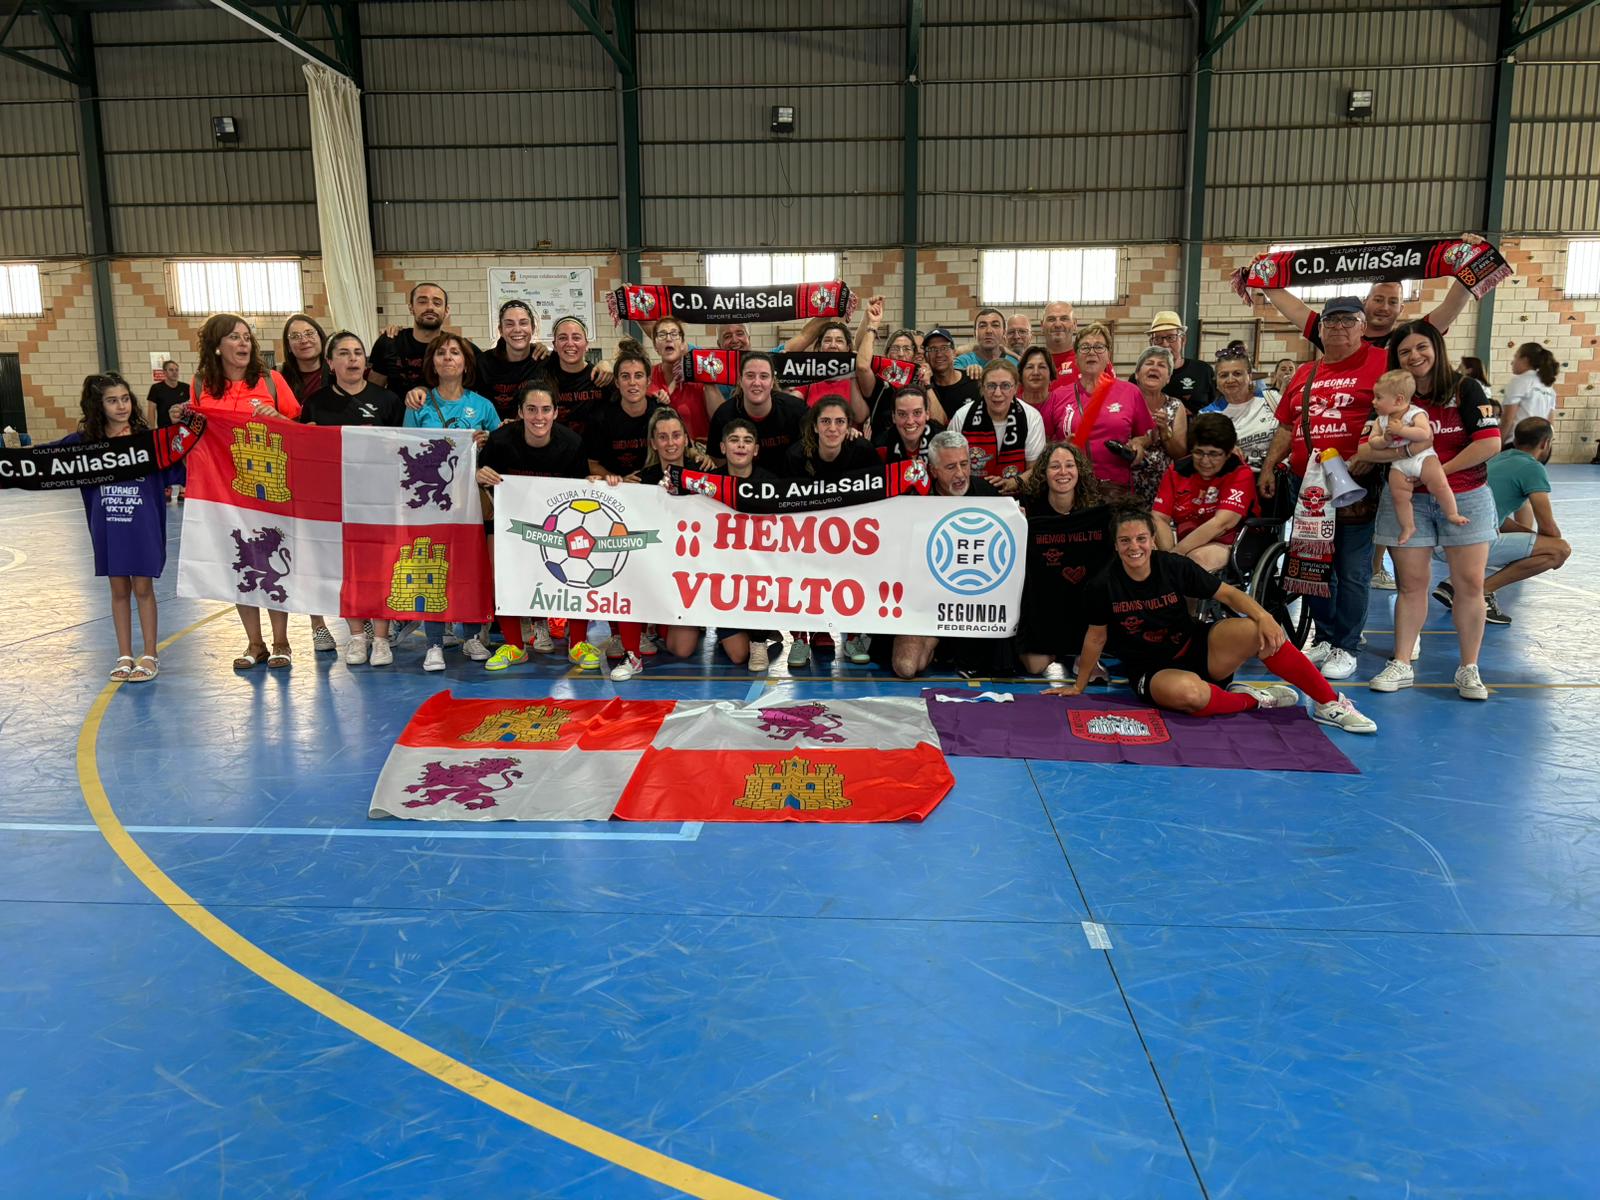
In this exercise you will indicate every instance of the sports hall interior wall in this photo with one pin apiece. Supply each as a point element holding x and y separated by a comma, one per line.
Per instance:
<point>492,139</point>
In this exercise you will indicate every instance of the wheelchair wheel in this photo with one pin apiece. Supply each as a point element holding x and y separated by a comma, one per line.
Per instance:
<point>1293,612</point>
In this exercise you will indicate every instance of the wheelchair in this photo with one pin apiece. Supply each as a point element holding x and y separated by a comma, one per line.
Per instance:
<point>1257,561</point>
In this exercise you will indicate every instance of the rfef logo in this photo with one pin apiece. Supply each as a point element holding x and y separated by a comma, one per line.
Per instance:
<point>971,551</point>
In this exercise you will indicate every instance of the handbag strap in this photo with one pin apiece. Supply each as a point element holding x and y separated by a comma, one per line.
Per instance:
<point>1305,410</point>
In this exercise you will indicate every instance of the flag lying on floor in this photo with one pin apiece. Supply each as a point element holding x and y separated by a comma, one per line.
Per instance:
<point>873,759</point>
<point>1103,730</point>
<point>340,521</point>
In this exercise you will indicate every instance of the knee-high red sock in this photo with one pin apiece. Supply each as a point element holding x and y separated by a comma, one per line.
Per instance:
<point>511,630</point>
<point>628,632</point>
<point>1289,665</point>
<point>577,631</point>
<point>1222,703</point>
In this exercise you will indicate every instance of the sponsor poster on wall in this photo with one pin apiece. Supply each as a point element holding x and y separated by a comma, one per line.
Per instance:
<point>552,293</point>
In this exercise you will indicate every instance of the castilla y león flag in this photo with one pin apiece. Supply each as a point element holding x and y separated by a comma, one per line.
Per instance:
<point>846,761</point>
<point>350,521</point>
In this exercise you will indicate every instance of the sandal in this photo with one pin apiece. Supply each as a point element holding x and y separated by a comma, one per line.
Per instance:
<point>142,673</point>
<point>279,657</point>
<point>253,656</point>
<point>120,673</point>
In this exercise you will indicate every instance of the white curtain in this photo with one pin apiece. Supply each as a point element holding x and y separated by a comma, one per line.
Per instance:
<point>339,155</point>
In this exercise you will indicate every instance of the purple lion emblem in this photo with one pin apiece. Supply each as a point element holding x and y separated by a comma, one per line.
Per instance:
<point>425,473</point>
<point>463,783</point>
<point>254,562</point>
<point>804,721</point>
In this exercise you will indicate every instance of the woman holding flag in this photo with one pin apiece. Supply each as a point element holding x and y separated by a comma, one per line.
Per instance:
<point>233,380</point>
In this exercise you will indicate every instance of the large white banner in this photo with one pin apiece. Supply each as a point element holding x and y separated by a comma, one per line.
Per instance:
<point>912,564</point>
<point>552,293</point>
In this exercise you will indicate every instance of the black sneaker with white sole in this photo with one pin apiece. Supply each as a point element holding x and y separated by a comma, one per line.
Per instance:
<point>1491,611</point>
<point>1445,594</point>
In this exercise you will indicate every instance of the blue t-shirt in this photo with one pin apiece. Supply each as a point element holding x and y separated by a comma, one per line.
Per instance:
<point>1514,475</point>
<point>127,521</point>
<point>972,360</point>
<point>472,411</point>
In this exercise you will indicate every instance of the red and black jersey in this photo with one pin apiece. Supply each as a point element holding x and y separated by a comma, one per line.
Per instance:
<point>576,391</point>
<point>995,452</point>
<point>1191,500</point>
<point>499,379</point>
<point>1147,620</point>
<point>615,439</point>
<point>891,447</point>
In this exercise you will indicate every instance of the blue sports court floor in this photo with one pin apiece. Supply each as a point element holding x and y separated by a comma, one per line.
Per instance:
<point>221,980</point>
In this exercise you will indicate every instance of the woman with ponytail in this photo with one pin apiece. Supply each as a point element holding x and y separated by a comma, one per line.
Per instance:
<point>1531,392</point>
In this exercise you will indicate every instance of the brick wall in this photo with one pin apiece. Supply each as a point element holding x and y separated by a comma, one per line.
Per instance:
<point>57,350</point>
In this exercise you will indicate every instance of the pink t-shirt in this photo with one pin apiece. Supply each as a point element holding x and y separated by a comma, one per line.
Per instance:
<point>1124,415</point>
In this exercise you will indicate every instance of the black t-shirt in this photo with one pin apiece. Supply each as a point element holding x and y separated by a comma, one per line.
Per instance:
<point>164,396</point>
<point>775,432</point>
<point>498,380</point>
<point>1148,621</point>
<point>1195,383</point>
<point>615,440</point>
<point>399,360</point>
<point>856,454</point>
<point>1064,554</point>
<point>372,405</point>
<point>953,395</point>
<point>977,485</point>
<point>891,447</point>
<point>578,391</point>
<point>507,451</point>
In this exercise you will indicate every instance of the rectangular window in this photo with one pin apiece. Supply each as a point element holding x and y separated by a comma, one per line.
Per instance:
<point>1409,288</point>
<point>1082,276</point>
<point>19,290</point>
<point>1583,270</point>
<point>763,270</point>
<point>268,286</point>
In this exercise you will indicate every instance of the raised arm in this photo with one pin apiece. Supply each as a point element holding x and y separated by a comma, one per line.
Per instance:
<point>809,333</point>
<point>1290,307</point>
<point>866,345</point>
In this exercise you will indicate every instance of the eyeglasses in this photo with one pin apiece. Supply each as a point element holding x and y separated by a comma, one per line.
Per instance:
<point>1340,321</point>
<point>1000,385</point>
<point>305,335</point>
<point>1207,453</point>
<point>1088,347</point>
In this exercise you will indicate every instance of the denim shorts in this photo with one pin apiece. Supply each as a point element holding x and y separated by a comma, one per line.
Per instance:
<point>1432,529</point>
<point>1506,549</point>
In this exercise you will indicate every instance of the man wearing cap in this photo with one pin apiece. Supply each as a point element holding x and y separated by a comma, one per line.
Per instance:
<point>952,386</point>
<point>1193,381</point>
<point>1338,406</point>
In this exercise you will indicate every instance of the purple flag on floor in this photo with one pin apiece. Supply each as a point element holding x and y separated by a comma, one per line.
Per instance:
<point>1104,730</point>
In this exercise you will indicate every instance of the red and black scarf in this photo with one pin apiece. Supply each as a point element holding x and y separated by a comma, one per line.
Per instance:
<point>89,464</point>
<point>908,478</point>
<point>996,452</point>
<point>731,305</point>
<point>1478,265</point>
<point>792,370</point>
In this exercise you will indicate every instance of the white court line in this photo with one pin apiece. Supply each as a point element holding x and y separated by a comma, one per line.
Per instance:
<point>689,831</point>
<point>1565,587</point>
<point>17,558</point>
<point>49,512</point>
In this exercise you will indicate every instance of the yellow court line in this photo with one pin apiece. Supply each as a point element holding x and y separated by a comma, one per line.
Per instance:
<point>535,1114</point>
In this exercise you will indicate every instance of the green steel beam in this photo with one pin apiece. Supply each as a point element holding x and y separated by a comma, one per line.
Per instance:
<point>910,155</point>
<point>1222,39</point>
<point>1207,12</point>
<point>96,199</point>
<point>281,33</point>
<point>1494,192</point>
<point>70,73</point>
<point>621,45</point>
<point>1520,40</point>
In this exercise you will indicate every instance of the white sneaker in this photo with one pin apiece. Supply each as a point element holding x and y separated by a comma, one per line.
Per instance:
<point>355,650</point>
<point>1416,648</point>
<point>1269,695</point>
<point>856,650</point>
<point>630,666</point>
<point>1394,676</point>
<point>1055,673</point>
<point>1469,684</point>
<point>542,641</point>
<point>473,648</point>
<point>433,660</point>
<point>1340,664</point>
<point>1317,652</point>
<point>612,648</point>
<point>647,645</point>
<point>1382,580</point>
<point>758,661</point>
<point>1098,675</point>
<point>382,655</point>
<point>1341,712</point>
<point>451,638</point>
<point>322,639</point>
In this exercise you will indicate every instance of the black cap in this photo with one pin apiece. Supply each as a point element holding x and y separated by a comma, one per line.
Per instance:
<point>939,331</point>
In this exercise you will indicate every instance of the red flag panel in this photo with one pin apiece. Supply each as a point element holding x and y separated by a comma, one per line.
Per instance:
<point>417,572</point>
<point>843,786</point>
<point>271,466</point>
<point>443,722</point>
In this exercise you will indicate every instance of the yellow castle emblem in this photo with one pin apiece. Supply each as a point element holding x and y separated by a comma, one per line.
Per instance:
<point>794,783</point>
<point>538,723</point>
<point>418,581</point>
<point>260,466</point>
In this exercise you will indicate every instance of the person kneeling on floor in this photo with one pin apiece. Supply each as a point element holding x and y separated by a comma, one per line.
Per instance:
<point>1137,607</point>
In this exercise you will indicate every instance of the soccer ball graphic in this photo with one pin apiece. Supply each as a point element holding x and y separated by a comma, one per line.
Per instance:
<point>578,563</point>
